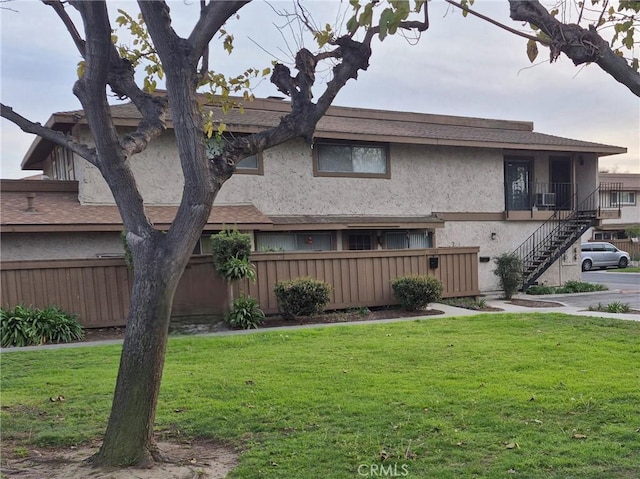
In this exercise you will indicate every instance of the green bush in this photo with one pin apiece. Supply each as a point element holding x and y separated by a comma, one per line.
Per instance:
<point>229,245</point>
<point>245,313</point>
<point>618,307</point>
<point>509,273</point>
<point>302,297</point>
<point>414,292</point>
<point>569,287</point>
<point>540,289</point>
<point>476,304</point>
<point>615,307</point>
<point>237,268</point>
<point>580,287</point>
<point>22,326</point>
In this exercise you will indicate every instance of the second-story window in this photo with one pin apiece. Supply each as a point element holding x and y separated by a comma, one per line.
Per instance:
<point>349,159</point>
<point>250,165</point>
<point>623,198</point>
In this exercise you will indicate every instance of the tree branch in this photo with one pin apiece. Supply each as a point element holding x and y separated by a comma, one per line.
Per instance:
<point>180,63</point>
<point>212,17</point>
<point>496,23</point>
<point>54,136</point>
<point>71,28</point>
<point>579,44</point>
<point>91,91</point>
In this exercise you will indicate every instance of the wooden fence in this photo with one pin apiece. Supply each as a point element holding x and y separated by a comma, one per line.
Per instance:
<point>99,290</point>
<point>363,278</point>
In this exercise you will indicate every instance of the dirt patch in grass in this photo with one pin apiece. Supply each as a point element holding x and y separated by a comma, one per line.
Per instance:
<point>529,303</point>
<point>194,459</point>
<point>274,321</point>
<point>348,316</point>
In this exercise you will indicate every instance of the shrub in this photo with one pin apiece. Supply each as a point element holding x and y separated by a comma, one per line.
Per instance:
<point>245,313</point>
<point>540,289</point>
<point>22,326</point>
<point>509,273</point>
<point>476,304</point>
<point>237,268</point>
<point>615,307</point>
<point>229,245</point>
<point>581,287</point>
<point>618,307</point>
<point>302,297</point>
<point>414,292</point>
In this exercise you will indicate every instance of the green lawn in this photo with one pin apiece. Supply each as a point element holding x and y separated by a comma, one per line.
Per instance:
<point>630,269</point>
<point>496,396</point>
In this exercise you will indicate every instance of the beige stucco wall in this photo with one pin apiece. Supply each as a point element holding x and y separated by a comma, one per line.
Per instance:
<point>44,246</point>
<point>509,235</point>
<point>423,179</point>
<point>157,172</point>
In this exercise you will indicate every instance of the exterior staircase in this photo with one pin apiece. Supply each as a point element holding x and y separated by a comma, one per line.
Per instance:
<point>554,237</point>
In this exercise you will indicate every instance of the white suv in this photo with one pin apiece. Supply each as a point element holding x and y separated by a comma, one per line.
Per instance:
<point>602,255</point>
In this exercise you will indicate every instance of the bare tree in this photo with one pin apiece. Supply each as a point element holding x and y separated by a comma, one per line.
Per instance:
<point>160,259</point>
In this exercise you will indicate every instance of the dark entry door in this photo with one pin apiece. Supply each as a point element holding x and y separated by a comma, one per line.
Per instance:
<point>561,181</point>
<point>517,174</point>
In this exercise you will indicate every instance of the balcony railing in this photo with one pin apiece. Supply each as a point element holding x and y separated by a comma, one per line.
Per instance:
<point>541,196</point>
<point>558,196</point>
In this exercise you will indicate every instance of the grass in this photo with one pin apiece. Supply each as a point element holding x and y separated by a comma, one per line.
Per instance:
<point>630,269</point>
<point>544,395</point>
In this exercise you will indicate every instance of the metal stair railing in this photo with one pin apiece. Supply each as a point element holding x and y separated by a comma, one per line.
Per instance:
<point>550,241</point>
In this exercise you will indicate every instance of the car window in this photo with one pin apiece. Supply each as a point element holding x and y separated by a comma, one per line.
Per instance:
<point>586,248</point>
<point>610,248</point>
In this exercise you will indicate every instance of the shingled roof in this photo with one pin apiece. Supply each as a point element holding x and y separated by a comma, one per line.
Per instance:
<point>359,124</point>
<point>30,206</point>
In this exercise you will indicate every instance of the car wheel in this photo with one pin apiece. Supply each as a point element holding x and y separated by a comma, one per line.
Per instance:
<point>586,265</point>
<point>623,263</point>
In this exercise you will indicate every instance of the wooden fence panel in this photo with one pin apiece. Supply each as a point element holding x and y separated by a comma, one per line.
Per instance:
<point>99,290</point>
<point>362,278</point>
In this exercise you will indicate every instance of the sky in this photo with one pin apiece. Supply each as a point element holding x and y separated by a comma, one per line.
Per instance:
<point>459,66</point>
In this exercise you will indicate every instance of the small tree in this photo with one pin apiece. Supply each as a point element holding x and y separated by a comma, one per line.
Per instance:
<point>231,252</point>
<point>509,273</point>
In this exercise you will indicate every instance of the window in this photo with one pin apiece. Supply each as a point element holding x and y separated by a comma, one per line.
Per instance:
<point>62,164</point>
<point>600,236</point>
<point>408,240</point>
<point>250,165</point>
<point>357,241</point>
<point>267,242</point>
<point>342,159</point>
<point>623,198</point>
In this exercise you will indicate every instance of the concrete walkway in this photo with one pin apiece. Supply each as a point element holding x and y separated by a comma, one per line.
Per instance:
<point>493,300</point>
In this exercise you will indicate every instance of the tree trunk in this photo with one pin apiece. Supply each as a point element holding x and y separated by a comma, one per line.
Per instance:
<point>129,436</point>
